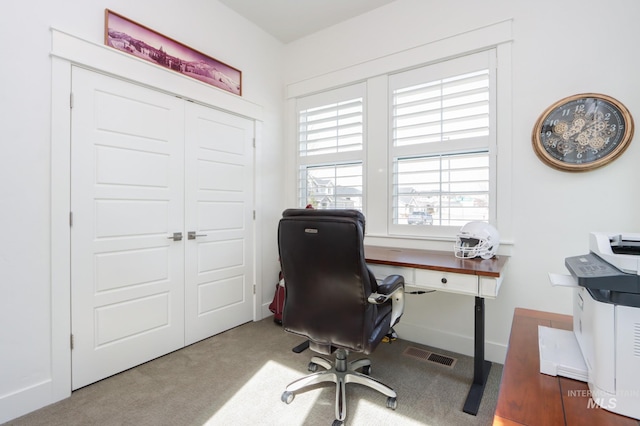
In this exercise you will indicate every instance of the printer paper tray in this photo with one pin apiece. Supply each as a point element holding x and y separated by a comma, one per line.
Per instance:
<point>560,354</point>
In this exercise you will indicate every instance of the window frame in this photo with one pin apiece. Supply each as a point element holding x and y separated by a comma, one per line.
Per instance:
<point>440,70</point>
<point>345,158</point>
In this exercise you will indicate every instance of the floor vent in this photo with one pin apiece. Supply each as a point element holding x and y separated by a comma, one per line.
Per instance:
<point>425,355</point>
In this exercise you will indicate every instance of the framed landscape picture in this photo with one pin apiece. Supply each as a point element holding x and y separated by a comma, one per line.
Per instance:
<point>128,36</point>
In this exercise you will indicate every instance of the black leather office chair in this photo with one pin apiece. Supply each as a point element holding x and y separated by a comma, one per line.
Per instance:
<point>333,299</point>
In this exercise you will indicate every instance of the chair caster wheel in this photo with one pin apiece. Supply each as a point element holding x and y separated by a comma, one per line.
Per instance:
<point>287,397</point>
<point>313,367</point>
<point>337,423</point>
<point>392,403</point>
<point>366,370</point>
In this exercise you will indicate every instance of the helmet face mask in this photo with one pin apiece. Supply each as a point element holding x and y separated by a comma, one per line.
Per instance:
<point>467,248</point>
<point>477,239</point>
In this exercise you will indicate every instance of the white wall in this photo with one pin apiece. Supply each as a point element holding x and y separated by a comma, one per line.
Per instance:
<point>558,49</point>
<point>25,157</point>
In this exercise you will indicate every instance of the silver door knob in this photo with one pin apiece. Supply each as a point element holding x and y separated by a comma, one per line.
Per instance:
<point>177,236</point>
<point>192,235</point>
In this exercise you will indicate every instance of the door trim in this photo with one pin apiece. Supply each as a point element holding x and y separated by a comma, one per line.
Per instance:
<point>69,51</point>
<point>122,65</point>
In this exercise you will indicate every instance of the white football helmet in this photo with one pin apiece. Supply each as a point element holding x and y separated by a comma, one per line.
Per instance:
<point>477,239</point>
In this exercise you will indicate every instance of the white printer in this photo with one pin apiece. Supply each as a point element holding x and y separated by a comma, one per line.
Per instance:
<point>606,319</point>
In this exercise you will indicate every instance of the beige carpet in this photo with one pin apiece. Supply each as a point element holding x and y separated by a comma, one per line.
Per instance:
<point>237,377</point>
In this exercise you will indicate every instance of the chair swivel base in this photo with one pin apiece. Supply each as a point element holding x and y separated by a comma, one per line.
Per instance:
<point>341,372</point>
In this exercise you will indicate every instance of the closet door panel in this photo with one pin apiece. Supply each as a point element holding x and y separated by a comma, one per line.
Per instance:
<point>127,276</point>
<point>219,211</point>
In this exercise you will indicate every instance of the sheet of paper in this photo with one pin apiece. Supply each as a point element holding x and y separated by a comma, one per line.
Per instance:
<point>562,280</point>
<point>560,354</point>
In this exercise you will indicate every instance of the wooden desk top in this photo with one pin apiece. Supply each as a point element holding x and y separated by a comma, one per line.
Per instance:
<point>528,397</point>
<point>434,260</point>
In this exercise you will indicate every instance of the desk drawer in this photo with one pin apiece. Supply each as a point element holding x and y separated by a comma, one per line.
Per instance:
<point>383,271</point>
<point>447,281</point>
<point>489,287</point>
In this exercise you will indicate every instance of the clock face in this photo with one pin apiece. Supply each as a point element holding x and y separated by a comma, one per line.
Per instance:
<point>582,132</point>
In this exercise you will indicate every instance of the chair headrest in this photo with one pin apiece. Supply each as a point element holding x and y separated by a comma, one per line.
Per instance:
<point>337,213</point>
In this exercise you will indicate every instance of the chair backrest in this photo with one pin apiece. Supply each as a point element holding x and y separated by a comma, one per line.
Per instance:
<point>327,281</point>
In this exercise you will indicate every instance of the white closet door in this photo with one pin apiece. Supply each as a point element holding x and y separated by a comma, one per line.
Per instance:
<point>127,277</point>
<point>219,210</point>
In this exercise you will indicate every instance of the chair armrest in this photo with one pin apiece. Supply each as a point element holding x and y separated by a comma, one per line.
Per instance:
<point>391,284</point>
<point>386,289</point>
<point>392,288</point>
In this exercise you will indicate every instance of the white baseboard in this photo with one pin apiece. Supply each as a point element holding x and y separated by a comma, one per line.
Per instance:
<point>265,312</point>
<point>448,341</point>
<point>26,400</point>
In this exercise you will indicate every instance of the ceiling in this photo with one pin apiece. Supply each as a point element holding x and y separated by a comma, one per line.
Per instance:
<point>289,20</point>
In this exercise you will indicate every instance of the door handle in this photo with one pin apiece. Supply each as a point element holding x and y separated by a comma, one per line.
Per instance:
<point>177,236</point>
<point>192,235</point>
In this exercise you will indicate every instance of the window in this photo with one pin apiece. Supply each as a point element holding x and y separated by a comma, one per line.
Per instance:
<point>425,159</point>
<point>332,186</point>
<point>415,148</point>
<point>441,145</point>
<point>451,189</point>
<point>330,148</point>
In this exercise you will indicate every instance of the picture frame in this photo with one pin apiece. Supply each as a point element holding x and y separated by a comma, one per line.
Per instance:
<point>128,36</point>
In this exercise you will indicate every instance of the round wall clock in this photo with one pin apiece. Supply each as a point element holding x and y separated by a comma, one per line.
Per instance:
<point>582,132</point>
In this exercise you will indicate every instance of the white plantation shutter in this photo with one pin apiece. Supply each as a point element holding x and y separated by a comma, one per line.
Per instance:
<point>331,128</point>
<point>442,110</point>
<point>441,139</point>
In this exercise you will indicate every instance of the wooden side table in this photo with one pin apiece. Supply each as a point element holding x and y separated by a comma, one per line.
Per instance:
<point>528,397</point>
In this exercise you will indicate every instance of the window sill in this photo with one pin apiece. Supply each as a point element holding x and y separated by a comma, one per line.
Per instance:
<point>425,243</point>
